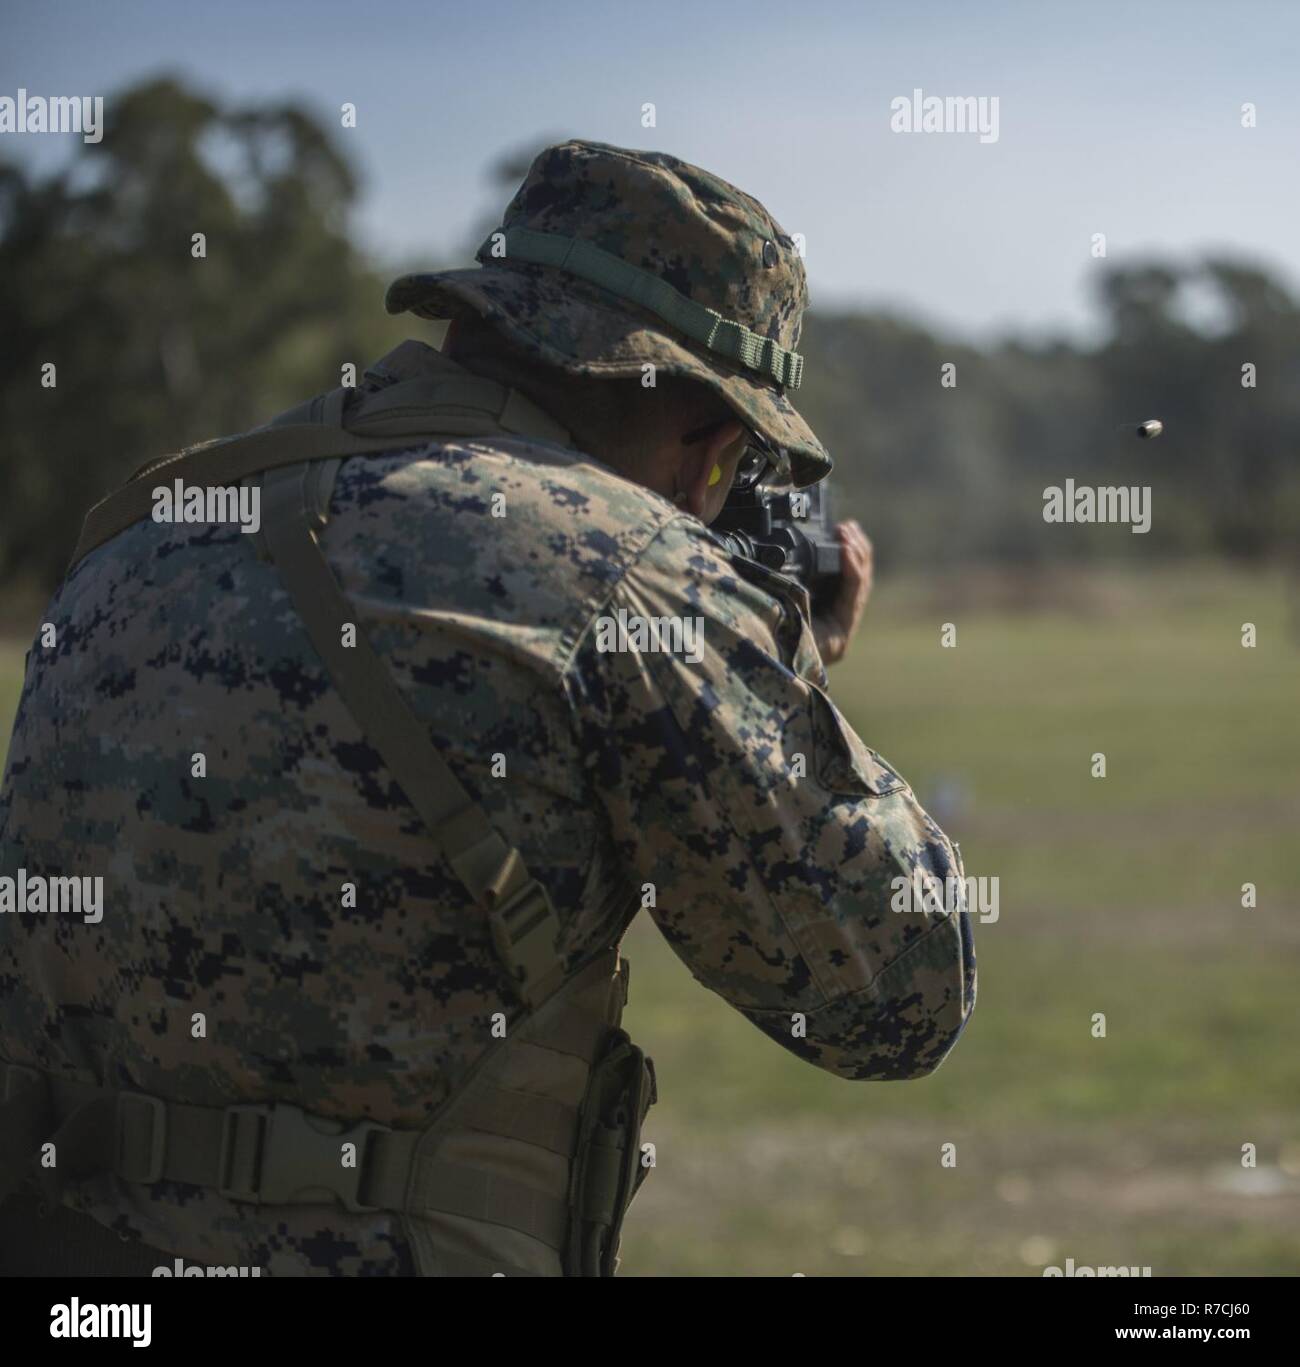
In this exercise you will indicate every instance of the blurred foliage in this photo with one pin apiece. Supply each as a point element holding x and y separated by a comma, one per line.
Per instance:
<point>157,349</point>
<point>941,476</point>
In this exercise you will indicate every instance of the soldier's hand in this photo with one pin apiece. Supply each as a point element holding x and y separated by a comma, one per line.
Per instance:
<point>834,630</point>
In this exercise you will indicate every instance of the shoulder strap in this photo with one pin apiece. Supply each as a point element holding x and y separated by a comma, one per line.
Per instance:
<point>448,404</point>
<point>524,925</point>
<point>298,455</point>
<point>216,463</point>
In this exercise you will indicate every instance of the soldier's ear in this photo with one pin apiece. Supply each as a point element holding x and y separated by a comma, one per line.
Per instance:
<point>703,490</point>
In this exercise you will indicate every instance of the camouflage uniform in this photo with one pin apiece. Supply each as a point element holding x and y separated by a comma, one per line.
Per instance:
<point>769,832</point>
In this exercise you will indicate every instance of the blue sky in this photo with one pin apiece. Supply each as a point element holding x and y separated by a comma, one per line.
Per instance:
<point>1114,118</point>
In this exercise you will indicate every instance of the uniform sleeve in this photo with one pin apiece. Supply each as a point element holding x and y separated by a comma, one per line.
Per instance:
<point>784,854</point>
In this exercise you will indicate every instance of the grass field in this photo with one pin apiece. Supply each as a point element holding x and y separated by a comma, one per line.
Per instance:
<point>1119,895</point>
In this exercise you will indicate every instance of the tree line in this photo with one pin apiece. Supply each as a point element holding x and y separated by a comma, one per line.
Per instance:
<point>192,275</point>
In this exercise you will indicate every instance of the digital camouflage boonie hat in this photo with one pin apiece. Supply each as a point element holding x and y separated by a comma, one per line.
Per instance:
<point>609,259</point>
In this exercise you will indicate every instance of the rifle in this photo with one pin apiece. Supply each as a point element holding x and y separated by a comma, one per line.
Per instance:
<point>788,530</point>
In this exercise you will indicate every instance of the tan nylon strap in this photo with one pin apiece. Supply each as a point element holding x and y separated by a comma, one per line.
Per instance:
<point>524,926</point>
<point>364,682</point>
<point>576,1030</point>
<point>185,1142</point>
<point>447,1188</point>
<point>218,464</point>
<point>573,1032</point>
<point>536,1120</point>
<point>147,1138</point>
<point>468,405</point>
<point>332,406</point>
<point>475,405</point>
<point>126,1144</point>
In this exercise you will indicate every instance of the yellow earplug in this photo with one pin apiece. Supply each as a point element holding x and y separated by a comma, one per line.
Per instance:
<point>716,476</point>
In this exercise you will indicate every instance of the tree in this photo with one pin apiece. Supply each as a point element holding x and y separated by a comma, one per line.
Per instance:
<point>188,276</point>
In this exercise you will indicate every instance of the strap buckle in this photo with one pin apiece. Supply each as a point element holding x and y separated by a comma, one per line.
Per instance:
<point>278,1155</point>
<point>127,1150</point>
<point>524,930</point>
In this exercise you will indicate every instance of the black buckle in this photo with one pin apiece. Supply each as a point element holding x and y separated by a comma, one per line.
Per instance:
<point>155,1113</point>
<point>278,1155</point>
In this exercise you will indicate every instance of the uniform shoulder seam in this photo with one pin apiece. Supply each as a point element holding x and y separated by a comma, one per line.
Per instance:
<point>598,608</point>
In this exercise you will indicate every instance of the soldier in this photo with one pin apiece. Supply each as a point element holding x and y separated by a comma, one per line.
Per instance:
<point>376,779</point>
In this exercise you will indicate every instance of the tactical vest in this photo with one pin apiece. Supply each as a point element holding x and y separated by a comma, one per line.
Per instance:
<point>540,1146</point>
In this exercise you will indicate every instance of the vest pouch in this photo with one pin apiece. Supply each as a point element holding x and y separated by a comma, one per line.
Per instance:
<point>607,1171</point>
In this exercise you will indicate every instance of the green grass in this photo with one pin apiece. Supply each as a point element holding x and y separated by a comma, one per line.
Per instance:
<point>1118,895</point>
